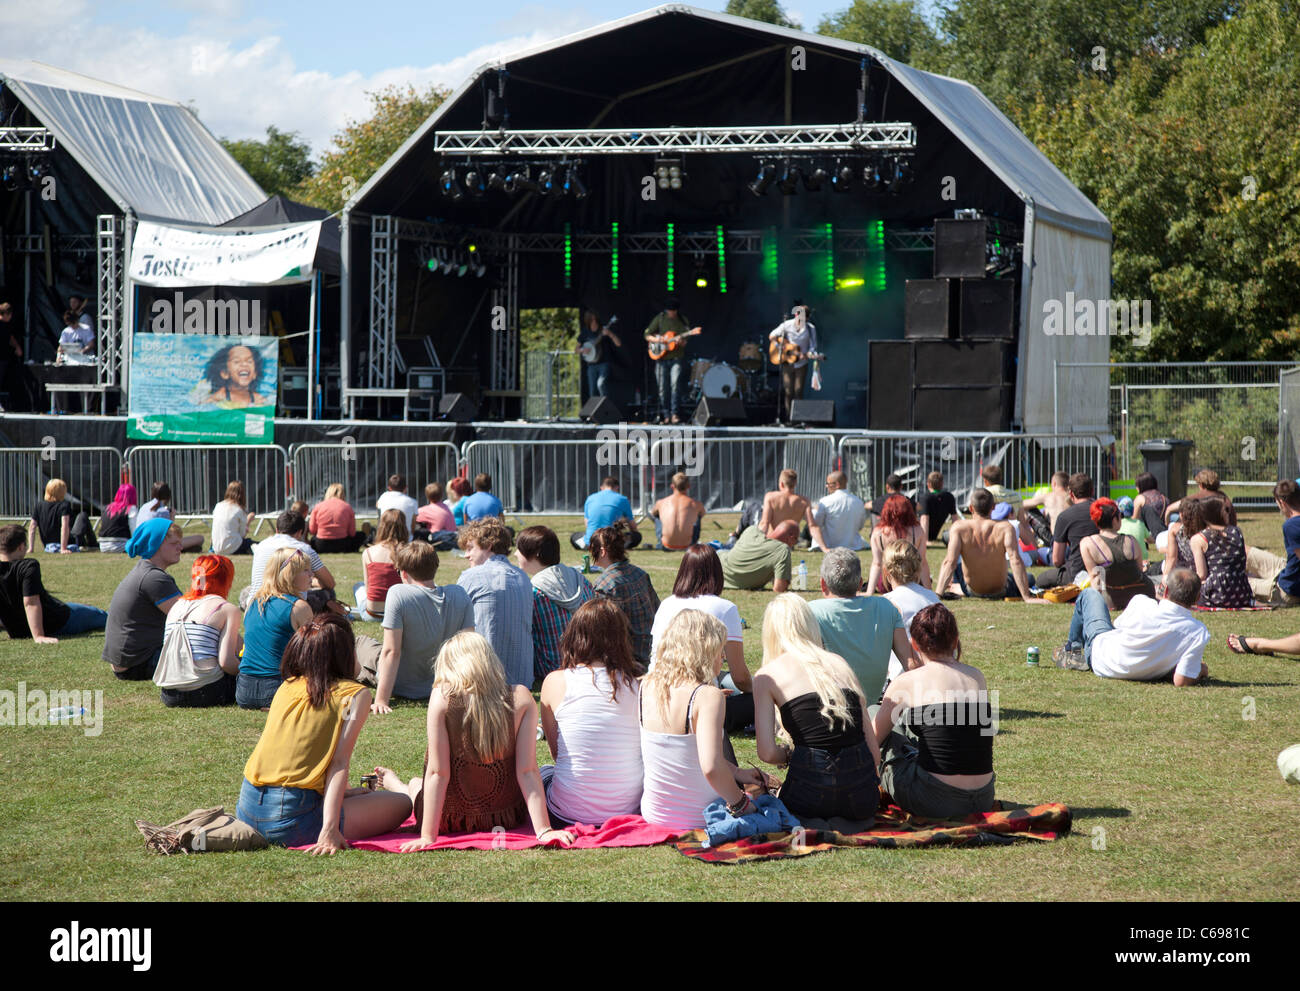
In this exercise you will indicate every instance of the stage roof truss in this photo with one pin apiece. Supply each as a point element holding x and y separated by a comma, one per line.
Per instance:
<point>25,139</point>
<point>34,244</point>
<point>785,139</point>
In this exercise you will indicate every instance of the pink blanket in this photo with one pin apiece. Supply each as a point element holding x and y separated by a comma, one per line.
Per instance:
<point>619,831</point>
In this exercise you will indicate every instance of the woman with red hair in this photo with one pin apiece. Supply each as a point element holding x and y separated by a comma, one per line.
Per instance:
<point>1114,560</point>
<point>897,522</point>
<point>201,641</point>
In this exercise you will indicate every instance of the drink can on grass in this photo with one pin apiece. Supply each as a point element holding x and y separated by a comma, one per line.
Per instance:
<point>1031,657</point>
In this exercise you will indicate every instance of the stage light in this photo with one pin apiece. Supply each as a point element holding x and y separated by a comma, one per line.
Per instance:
<point>546,180</point>
<point>496,181</point>
<point>789,183</point>
<point>766,175</point>
<point>872,178</point>
<point>672,277</point>
<point>842,180</point>
<point>901,178</point>
<point>771,267</point>
<point>701,274</point>
<point>876,248</point>
<point>573,183</point>
<point>10,177</point>
<point>445,262</point>
<point>450,187</point>
<point>661,175</point>
<point>36,170</point>
<point>462,266</point>
<point>432,264</point>
<point>568,255</point>
<point>675,176</point>
<point>849,283</point>
<point>613,254</point>
<point>518,181</point>
<point>829,231</point>
<point>722,261</point>
<point>474,183</point>
<point>812,181</point>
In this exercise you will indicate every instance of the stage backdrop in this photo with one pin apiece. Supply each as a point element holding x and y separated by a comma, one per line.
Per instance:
<point>200,388</point>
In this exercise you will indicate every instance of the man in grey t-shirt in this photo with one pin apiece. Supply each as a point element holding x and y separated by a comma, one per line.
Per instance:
<point>419,616</point>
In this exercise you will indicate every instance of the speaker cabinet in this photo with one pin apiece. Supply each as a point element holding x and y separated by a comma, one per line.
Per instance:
<point>713,411</point>
<point>820,412</point>
<point>959,247</point>
<point>988,309</point>
<point>889,393</point>
<point>600,409</point>
<point>962,363</point>
<point>930,309</point>
<point>962,407</point>
<point>457,406</point>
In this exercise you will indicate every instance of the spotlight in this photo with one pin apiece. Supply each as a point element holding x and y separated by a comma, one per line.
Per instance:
<point>474,183</point>
<point>669,173</point>
<point>701,274</point>
<point>517,181</point>
<point>872,178</point>
<point>765,177</point>
<point>10,177</point>
<point>546,181</point>
<point>36,170</point>
<point>444,261</point>
<point>661,176</point>
<point>842,180</point>
<point>462,265</point>
<point>902,177</point>
<point>450,187</point>
<point>675,176</point>
<point>496,181</point>
<point>573,183</point>
<point>812,181</point>
<point>789,183</point>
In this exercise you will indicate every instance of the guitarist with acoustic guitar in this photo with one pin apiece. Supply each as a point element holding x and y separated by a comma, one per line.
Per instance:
<point>792,345</point>
<point>666,339</point>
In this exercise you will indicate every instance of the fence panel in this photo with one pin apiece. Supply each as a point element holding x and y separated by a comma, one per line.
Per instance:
<point>871,456</point>
<point>1288,423</point>
<point>725,471</point>
<point>552,384</point>
<point>1029,460</point>
<point>199,473</point>
<point>363,469</point>
<point>549,477</point>
<point>92,473</point>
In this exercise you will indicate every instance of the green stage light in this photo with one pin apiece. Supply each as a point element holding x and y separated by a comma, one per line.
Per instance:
<point>432,263</point>
<point>613,256</point>
<point>722,261</point>
<point>771,262</point>
<point>849,283</point>
<point>568,255</point>
<point>876,246</point>
<point>830,257</point>
<point>672,277</point>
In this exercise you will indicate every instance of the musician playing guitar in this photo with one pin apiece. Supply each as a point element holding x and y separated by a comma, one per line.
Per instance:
<point>591,346</point>
<point>792,343</point>
<point>668,349</point>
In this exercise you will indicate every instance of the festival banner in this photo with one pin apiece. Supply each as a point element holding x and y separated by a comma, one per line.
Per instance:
<point>203,389</point>
<point>179,257</point>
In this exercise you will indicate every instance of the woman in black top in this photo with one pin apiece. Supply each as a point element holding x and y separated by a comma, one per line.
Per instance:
<point>935,727</point>
<point>832,761</point>
<point>53,519</point>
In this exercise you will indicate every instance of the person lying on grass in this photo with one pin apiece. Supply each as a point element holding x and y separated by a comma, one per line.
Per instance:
<point>480,765</point>
<point>1239,644</point>
<point>295,786</point>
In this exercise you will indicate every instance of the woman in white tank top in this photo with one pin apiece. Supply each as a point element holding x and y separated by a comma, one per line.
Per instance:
<point>589,716</point>
<point>681,728</point>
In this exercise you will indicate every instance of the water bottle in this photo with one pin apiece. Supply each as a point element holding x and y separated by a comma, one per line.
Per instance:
<point>801,581</point>
<point>66,712</point>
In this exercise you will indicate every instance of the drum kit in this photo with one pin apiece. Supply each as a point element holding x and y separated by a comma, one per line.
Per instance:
<point>721,380</point>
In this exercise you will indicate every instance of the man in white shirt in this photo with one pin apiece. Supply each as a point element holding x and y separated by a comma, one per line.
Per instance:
<point>396,498</point>
<point>290,529</point>
<point>803,335</point>
<point>1148,642</point>
<point>838,518</point>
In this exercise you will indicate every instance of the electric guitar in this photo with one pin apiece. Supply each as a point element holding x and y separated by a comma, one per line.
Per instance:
<point>589,350</point>
<point>783,352</point>
<point>670,342</point>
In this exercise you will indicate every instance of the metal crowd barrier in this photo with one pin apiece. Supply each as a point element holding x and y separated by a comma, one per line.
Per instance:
<point>551,477</point>
<point>199,473</point>
<point>363,469</point>
<point>869,457</point>
<point>1029,460</point>
<point>725,471</point>
<point>92,474</point>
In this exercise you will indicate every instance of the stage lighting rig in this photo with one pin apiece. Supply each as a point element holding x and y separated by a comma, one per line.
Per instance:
<point>873,178</point>
<point>901,177</point>
<point>9,177</point>
<point>573,183</point>
<point>842,180</point>
<point>475,184</point>
<point>812,181</point>
<point>789,181</point>
<point>450,187</point>
<point>521,181</point>
<point>496,180</point>
<point>669,173</point>
<point>701,273</point>
<point>766,176</point>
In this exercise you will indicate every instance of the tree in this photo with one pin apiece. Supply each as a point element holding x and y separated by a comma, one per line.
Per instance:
<point>361,147</point>
<point>277,164</point>
<point>768,11</point>
<point>895,27</point>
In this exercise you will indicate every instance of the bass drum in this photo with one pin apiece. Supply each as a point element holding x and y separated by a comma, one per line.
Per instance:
<point>751,356</point>
<point>699,368</point>
<point>720,382</point>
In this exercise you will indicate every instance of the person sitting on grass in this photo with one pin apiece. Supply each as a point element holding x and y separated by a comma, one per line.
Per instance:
<point>677,516</point>
<point>832,768</point>
<point>898,522</point>
<point>1052,500</point>
<point>483,503</point>
<point>480,761</point>
<point>396,498</point>
<point>210,626</point>
<point>785,504</point>
<point>291,532</point>
<point>26,608</point>
<point>1071,527</point>
<point>1275,579</point>
<point>589,718</point>
<point>938,506</point>
<point>434,523</point>
<point>159,507</point>
<point>757,559</point>
<point>275,612</point>
<point>1114,561</point>
<point>1149,506</point>
<point>502,596</point>
<point>231,521</point>
<point>377,564</point>
<point>119,521</point>
<point>419,617</point>
<point>1178,546</point>
<point>893,487</point>
<point>1219,552</point>
<point>558,591</point>
<point>138,612</point>
<point>682,736</point>
<point>838,518</point>
<point>935,727</point>
<point>52,519</point>
<point>984,556</point>
<point>1148,641</point>
<point>460,489</point>
<point>606,508</point>
<point>295,788</point>
<point>332,524</point>
<point>902,566</point>
<point>1207,484</point>
<point>623,583</point>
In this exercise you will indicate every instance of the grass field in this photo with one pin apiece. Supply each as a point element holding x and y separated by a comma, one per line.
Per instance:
<point>1176,792</point>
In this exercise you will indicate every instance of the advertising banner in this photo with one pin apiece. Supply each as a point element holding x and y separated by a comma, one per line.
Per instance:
<point>175,256</point>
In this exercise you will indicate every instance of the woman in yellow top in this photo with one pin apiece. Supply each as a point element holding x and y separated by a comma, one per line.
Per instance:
<point>295,783</point>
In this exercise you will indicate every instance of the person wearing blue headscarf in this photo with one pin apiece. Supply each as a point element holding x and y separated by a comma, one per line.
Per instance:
<point>134,634</point>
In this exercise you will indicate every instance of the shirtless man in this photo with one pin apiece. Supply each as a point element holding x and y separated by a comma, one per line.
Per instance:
<point>983,547</point>
<point>677,516</point>
<point>785,504</point>
<point>1054,500</point>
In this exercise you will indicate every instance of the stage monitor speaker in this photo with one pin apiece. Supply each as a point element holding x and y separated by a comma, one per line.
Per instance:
<point>962,363</point>
<point>714,411</point>
<point>962,407</point>
<point>457,406</point>
<point>600,409</point>
<point>820,412</point>
<point>988,309</point>
<point>930,309</point>
<point>889,393</point>
<point>959,247</point>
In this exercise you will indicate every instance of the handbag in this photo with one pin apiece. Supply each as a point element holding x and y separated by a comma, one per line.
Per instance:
<point>1062,593</point>
<point>177,669</point>
<point>202,831</point>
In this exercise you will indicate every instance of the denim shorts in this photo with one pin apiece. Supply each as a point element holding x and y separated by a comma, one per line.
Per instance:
<point>285,816</point>
<point>821,784</point>
<point>253,692</point>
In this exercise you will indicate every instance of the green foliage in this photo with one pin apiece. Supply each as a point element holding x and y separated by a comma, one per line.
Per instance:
<point>363,146</point>
<point>554,329</point>
<point>768,11</point>
<point>1219,421</point>
<point>541,332</point>
<point>895,27</point>
<point>277,164</point>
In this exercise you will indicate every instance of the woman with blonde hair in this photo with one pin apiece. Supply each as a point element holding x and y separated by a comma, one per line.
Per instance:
<point>332,524</point>
<point>231,521</point>
<point>480,765</point>
<point>379,564</point>
<point>275,611</point>
<point>833,763</point>
<point>53,518</point>
<point>682,739</point>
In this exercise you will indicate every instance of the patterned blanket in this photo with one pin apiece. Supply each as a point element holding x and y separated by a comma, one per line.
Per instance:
<point>893,828</point>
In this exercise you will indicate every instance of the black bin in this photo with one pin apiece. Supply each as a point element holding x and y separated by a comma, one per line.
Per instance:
<point>1170,461</point>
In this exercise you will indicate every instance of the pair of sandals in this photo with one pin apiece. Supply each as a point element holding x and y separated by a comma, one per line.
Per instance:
<point>1238,645</point>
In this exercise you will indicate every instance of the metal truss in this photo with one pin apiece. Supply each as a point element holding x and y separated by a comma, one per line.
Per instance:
<point>382,366</point>
<point>108,326</point>
<point>505,335</point>
<point>25,139</point>
<point>34,244</point>
<point>895,136</point>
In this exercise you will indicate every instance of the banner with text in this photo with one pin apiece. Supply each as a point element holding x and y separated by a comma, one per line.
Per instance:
<point>175,256</point>
<point>203,389</point>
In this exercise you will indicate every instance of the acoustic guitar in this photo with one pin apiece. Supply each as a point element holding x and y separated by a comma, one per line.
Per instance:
<point>783,352</point>
<point>671,342</point>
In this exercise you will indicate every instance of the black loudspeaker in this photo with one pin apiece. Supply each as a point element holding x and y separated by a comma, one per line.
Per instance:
<point>815,411</point>
<point>962,407</point>
<point>962,363</point>
<point>959,248</point>
<point>889,394</point>
<point>930,309</point>
<point>988,309</point>
<point>457,406</point>
<point>713,411</point>
<point>600,409</point>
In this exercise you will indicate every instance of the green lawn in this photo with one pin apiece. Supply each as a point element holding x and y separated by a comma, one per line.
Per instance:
<point>1176,795</point>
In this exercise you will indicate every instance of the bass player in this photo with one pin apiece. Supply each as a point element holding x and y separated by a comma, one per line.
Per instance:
<point>800,333</point>
<point>668,349</point>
